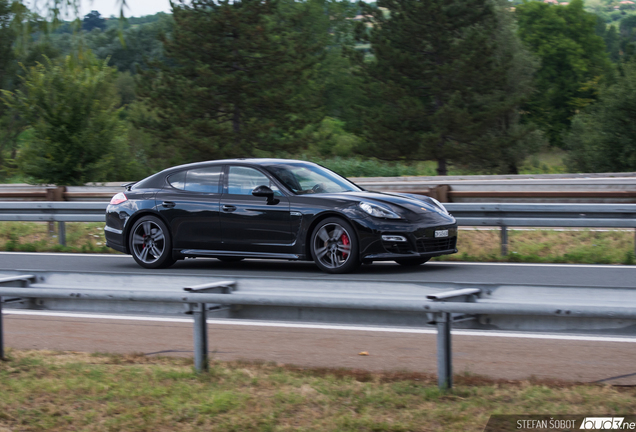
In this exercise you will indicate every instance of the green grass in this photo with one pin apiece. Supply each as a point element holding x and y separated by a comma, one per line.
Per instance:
<point>546,246</point>
<point>36,237</point>
<point>63,391</point>
<point>548,162</point>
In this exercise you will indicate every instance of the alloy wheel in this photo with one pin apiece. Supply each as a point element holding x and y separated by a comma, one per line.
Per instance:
<point>148,242</point>
<point>332,246</point>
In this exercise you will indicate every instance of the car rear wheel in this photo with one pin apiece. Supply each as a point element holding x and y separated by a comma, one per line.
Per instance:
<point>150,243</point>
<point>334,246</point>
<point>411,262</point>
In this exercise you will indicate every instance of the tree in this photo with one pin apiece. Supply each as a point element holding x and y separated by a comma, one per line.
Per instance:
<point>610,37</point>
<point>510,138</point>
<point>628,37</point>
<point>438,77</point>
<point>603,136</point>
<point>241,78</point>
<point>574,62</point>
<point>141,42</point>
<point>7,71</point>
<point>93,20</point>
<point>78,136</point>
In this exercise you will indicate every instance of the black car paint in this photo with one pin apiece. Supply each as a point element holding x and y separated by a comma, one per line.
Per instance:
<point>250,227</point>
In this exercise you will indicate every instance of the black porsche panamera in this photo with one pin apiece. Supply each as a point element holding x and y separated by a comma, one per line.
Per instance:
<point>273,208</point>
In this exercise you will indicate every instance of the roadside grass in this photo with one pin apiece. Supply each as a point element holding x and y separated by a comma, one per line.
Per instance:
<point>532,246</point>
<point>61,391</point>
<point>545,162</point>
<point>35,237</point>
<point>546,246</point>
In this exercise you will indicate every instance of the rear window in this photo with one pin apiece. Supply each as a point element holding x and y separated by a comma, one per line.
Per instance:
<point>203,180</point>
<point>177,180</point>
<point>197,180</point>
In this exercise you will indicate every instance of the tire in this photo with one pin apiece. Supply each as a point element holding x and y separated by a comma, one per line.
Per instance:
<point>230,259</point>
<point>334,246</point>
<point>411,262</point>
<point>150,243</point>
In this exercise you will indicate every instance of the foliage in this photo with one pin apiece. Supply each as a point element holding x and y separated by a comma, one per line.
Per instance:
<point>573,62</point>
<point>78,135</point>
<point>439,79</point>
<point>329,138</point>
<point>628,37</point>
<point>369,167</point>
<point>603,136</point>
<point>7,72</point>
<point>510,138</point>
<point>140,43</point>
<point>93,20</point>
<point>242,77</point>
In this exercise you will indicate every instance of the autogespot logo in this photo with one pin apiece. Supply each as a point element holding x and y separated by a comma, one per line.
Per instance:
<point>606,423</point>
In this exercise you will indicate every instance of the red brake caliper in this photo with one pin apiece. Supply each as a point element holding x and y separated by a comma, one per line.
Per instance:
<point>345,242</point>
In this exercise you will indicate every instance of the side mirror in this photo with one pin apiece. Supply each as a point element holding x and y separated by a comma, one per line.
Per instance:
<point>265,192</point>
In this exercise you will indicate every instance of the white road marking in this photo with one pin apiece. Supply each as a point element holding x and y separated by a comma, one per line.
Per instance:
<point>256,323</point>
<point>605,266</point>
<point>65,254</point>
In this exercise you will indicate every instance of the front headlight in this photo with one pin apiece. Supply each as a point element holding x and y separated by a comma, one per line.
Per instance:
<point>439,204</point>
<point>378,211</point>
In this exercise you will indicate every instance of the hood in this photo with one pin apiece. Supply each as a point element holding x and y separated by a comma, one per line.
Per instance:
<point>408,206</point>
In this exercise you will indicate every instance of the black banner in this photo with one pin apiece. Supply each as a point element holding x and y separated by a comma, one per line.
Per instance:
<point>560,423</point>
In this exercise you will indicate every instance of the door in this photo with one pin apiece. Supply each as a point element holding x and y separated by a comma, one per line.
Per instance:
<point>249,223</point>
<point>190,204</point>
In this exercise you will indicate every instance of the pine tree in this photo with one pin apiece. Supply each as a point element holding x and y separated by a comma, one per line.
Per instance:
<point>239,79</point>
<point>437,77</point>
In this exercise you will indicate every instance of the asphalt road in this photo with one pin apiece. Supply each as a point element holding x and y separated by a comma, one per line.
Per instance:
<point>496,273</point>
<point>500,357</point>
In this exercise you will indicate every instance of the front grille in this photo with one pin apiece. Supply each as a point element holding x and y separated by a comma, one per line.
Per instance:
<point>435,245</point>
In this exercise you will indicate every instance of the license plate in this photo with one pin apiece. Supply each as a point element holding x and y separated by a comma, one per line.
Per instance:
<point>441,233</point>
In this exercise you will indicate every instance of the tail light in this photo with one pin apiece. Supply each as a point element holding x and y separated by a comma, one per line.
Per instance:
<point>118,199</point>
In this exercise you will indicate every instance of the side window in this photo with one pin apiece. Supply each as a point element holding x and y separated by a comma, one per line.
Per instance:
<point>203,179</point>
<point>177,180</point>
<point>243,180</point>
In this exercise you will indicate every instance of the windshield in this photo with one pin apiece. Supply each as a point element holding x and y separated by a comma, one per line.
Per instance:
<point>303,178</point>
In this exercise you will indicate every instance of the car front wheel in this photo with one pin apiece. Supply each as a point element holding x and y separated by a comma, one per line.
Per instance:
<point>150,243</point>
<point>334,246</point>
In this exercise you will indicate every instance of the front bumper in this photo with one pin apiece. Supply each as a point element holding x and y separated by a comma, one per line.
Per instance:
<point>420,240</point>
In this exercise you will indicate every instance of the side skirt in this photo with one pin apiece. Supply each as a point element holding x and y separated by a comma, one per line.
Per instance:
<point>215,253</point>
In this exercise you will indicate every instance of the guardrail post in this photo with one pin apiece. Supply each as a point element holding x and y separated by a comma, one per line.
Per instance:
<point>23,281</point>
<point>61,233</point>
<point>444,352</point>
<point>201,363</point>
<point>504,240</point>
<point>199,312</point>
<point>444,322</point>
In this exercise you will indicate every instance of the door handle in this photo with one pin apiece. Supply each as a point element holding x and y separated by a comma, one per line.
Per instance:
<point>168,204</point>
<point>229,208</point>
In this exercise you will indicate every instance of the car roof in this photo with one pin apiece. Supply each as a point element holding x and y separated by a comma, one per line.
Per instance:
<point>251,161</point>
<point>157,179</point>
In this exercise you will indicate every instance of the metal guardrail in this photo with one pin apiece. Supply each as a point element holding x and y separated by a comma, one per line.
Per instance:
<point>549,188</point>
<point>503,215</point>
<point>440,307</point>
